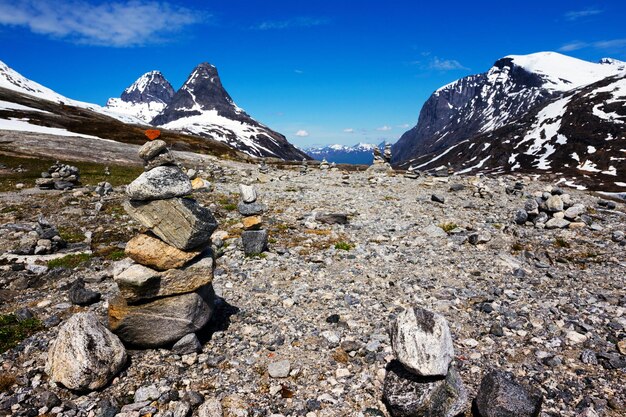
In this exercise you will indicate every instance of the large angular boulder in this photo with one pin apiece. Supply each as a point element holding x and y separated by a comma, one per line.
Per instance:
<point>409,395</point>
<point>500,395</point>
<point>139,283</point>
<point>254,241</point>
<point>153,252</point>
<point>422,342</point>
<point>85,355</point>
<point>151,149</point>
<point>162,321</point>
<point>179,222</point>
<point>159,183</point>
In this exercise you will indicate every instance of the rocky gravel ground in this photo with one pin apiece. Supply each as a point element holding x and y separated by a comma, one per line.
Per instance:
<point>302,330</point>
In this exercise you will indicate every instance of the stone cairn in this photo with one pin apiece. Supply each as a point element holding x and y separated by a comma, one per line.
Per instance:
<point>263,168</point>
<point>333,167</point>
<point>412,173</point>
<point>59,177</point>
<point>33,239</point>
<point>166,291</point>
<point>553,209</point>
<point>422,382</point>
<point>304,167</point>
<point>254,238</point>
<point>387,153</point>
<point>324,165</point>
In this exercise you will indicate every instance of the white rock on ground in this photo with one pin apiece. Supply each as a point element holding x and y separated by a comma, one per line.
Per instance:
<point>422,342</point>
<point>85,355</point>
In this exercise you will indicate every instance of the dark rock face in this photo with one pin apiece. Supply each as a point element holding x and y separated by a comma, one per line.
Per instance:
<point>203,91</point>
<point>563,136</point>
<point>500,396</point>
<point>204,88</point>
<point>409,395</point>
<point>149,88</point>
<point>82,296</point>
<point>464,108</point>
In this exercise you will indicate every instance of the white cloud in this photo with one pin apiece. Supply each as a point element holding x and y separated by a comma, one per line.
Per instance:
<point>297,71</point>
<point>302,133</point>
<point>608,44</point>
<point>384,128</point>
<point>116,24</point>
<point>349,130</point>
<point>446,64</point>
<point>404,126</point>
<point>577,14</point>
<point>296,22</point>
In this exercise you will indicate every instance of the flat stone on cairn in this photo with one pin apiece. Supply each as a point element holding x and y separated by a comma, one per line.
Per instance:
<point>254,238</point>
<point>421,381</point>
<point>168,293</point>
<point>324,166</point>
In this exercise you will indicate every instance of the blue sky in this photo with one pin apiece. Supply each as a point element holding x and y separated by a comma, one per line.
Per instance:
<point>317,71</point>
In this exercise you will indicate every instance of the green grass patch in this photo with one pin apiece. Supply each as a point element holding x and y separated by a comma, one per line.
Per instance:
<point>229,207</point>
<point>70,261</point>
<point>13,331</point>
<point>116,255</point>
<point>71,235</point>
<point>448,226</point>
<point>559,242</point>
<point>343,246</point>
<point>90,173</point>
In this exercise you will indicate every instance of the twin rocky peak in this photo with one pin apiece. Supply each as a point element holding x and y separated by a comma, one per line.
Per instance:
<point>201,107</point>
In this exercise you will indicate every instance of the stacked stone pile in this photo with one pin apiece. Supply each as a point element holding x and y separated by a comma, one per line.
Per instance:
<point>263,168</point>
<point>412,173</point>
<point>304,167</point>
<point>553,209</point>
<point>387,153</point>
<point>381,162</point>
<point>39,238</point>
<point>254,238</point>
<point>333,167</point>
<point>165,288</point>
<point>59,177</point>
<point>324,165</point>
<point>422,382</point>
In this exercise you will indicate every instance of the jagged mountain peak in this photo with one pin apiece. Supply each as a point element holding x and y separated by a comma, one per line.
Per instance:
<point>151,86</point>
<point>481,103</point>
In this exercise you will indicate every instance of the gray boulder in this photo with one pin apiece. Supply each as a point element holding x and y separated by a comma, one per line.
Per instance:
<point>162,321</point>
<point>251,209</point>
<point>187,344</point>
<point>409,395</point>
<point>254,241</point>
<point>159,183</point>
<point>180,222</point>
<point>500,395</point>
<point>85,355</point>
<point>422,342</point>
<point>554,203</point>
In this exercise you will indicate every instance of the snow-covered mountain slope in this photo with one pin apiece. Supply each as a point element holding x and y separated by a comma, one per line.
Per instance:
<point>361,153</point>
<point>578,137</point>
<point>12,80</point>
<point>482,103</point>
<point>203,107</point>
<point>145,98</point>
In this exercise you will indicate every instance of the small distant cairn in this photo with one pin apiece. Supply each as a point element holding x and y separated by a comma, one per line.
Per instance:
<point>39,238</point>
<point>254,238</point>
<point>165,289</point>
<point>387,153</point>
<point>304,167</point>
<point>345,178</point>
<point>422,381</point>
<point>381,162</point>
<point>412,173</point>
<point>324,165</point>
<point>263,168</point>
<point>333,167</point>
<point>59,177</point>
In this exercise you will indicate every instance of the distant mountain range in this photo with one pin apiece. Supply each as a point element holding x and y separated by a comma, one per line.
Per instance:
<point>361,153</point>
<point>200,110</point>
<point>543,112</point>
